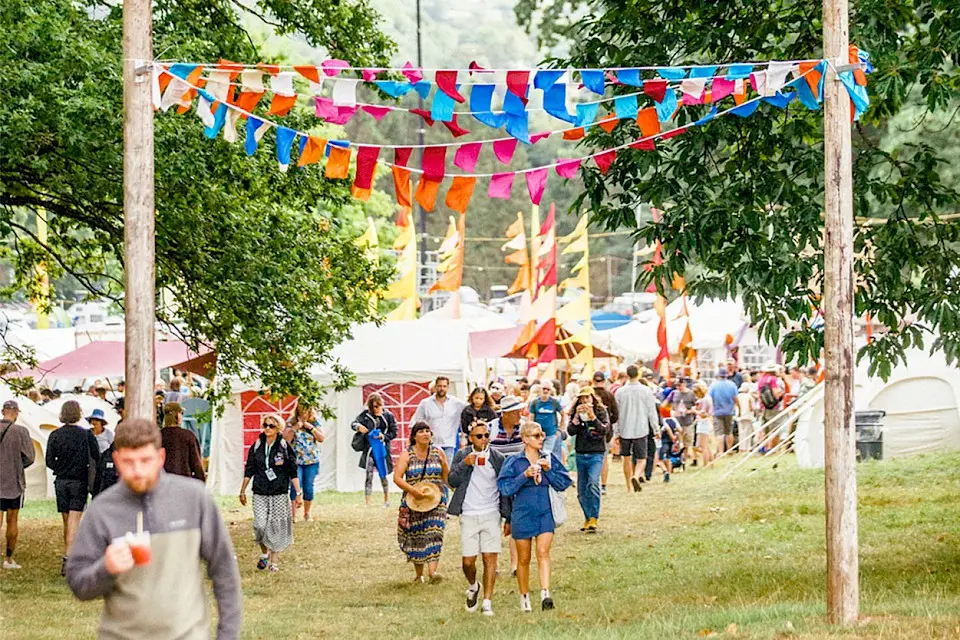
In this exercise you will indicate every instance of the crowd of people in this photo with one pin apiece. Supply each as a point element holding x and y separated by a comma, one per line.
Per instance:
<point>498,462</point>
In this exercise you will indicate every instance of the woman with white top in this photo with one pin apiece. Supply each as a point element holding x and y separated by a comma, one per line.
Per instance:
<point>745,404</point>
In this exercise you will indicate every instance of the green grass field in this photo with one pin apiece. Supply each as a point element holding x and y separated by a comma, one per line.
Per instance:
<point>695,558</point>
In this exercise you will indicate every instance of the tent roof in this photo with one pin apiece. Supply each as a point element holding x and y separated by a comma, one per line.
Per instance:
<point>408,351</point>
<point>499,343</point>
<point>103,359</point>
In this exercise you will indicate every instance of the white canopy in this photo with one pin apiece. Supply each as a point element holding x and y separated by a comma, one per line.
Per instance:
<point>39,421</point>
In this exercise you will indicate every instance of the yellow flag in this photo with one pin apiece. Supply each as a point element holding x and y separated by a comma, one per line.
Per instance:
<point>577,246</point>
<point>575,311</point>
<point>516,228</point>
<point>581,230</point>
<point>406,311</point>
<point>580,281</point>
<point>405,237</point>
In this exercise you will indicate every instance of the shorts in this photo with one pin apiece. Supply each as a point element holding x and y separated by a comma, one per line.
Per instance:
<point>480,534</point>
<point>71,495</point>
<point>723,425</point>
<point>705,427</point>
<point>11,504</point>
<point>635,447</point>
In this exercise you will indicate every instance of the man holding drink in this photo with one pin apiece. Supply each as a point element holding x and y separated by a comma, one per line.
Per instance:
<point>476,499</point>
<point>140,545</point>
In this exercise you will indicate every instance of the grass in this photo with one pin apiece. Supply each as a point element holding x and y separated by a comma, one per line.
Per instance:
<point>695,558</point>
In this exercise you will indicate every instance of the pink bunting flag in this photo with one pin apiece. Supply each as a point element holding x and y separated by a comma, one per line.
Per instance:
<point>721,88</point>
<point>675,132</point>
<point>518,82</point>
<point>504,149</point>
<point>324,108</point>
<point>412,73</point>
<point>466,156</point>
<point>604,160</point>
<point>476,68</point>
<point>376,112</point>
<point>344,114</point>
<point>568,168</point>
<point>644,145</point>
<point>369,75</point>
<point>536,182</point>
<point>501,185</point>
<point>434,163</point>
<point>537,137</point>
<point>447,82</point>
<point>333,66</point>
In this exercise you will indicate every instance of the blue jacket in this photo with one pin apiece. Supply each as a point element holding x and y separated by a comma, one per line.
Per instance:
<point>531,514</point>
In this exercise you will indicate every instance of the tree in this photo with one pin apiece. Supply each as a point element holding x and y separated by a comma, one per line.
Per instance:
<point>743,198</point>
<point>260,264</point>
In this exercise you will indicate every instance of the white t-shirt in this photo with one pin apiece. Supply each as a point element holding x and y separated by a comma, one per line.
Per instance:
<point>482,494</point>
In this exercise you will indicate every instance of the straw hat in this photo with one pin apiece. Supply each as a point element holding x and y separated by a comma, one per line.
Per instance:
<point>586,391</point>
<point>430,500</point>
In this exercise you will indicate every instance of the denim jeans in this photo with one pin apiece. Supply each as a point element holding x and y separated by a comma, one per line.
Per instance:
<point>589,466</point>
<point>307,474</point>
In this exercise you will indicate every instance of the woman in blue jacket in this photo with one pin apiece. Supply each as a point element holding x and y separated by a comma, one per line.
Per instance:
<point>527,478</point>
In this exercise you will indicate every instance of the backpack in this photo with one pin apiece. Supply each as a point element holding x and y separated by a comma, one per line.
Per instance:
<point>768,396</point>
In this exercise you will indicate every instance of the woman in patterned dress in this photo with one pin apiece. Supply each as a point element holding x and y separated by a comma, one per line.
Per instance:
<point>272,465</point>
<point>420,534</point>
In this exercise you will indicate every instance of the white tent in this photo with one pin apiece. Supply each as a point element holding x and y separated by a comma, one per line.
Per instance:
<point>921,400</point>
<point>410,353</point>
<point>711,322</point>
<point>39,422</point>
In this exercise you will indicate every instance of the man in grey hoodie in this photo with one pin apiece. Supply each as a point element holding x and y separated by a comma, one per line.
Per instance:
<point>160,595</point>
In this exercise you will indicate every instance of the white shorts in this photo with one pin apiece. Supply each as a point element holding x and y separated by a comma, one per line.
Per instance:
<point>480,534</point>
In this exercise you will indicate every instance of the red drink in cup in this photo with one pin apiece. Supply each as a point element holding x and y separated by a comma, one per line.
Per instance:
<point>481,460</point>
<point>140,548</point>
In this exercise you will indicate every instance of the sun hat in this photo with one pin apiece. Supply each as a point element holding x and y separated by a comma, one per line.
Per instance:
<point>770,367</point>
<point>586,391</point>
<point>96,414</point>
<point>496,386</point>
<point>510,403</point>
<point>428,502</point>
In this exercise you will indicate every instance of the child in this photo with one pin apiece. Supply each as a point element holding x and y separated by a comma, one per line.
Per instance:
<point>668,440</point>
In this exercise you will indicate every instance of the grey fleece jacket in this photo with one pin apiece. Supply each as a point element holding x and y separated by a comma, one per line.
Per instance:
<point>164,599</point>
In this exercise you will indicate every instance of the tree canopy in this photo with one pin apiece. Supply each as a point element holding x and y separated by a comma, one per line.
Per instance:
<point>743,198</point>
<point>259,263</point>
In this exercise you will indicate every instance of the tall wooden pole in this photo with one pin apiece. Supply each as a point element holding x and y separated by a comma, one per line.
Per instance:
<point>843,582</point>
<point>138,208</point>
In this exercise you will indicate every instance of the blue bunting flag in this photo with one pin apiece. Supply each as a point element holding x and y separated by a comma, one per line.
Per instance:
<point>481,99</point>
<point>285,137</point>
<point>630,77</point>
<point>668,106</point>
<point>739,71</point>
<point>252,139</point>
<point>672,73</point>
<point>555,103</point>
<point>593,79</point>
<point>547,78</point>
<point>625,107</point>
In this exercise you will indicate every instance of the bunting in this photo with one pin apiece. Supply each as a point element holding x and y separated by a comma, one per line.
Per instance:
<point>405,288</point>
<point>519,256</point>
<point>579,310</point>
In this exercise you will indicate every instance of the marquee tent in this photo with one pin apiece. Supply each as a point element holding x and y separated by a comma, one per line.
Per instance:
<point>39,421</point>
<point>921,400</point>
<point>397,359</point>
<point>105,359</point>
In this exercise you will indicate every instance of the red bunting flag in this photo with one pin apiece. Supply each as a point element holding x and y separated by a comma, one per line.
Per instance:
<point>447,82</point>
<point>366,166</point>
<point>604,160</point>
<point>656,89</point>
<point>518,83</point>
<point>434,163</point>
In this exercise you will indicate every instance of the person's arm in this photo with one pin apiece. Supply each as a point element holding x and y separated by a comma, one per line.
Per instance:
<point>466,419</point>
<point>420,414</point>
<point>196,460</point>
<point>250,466</point>
<point>461,470</point>
<point>93,448</point>
<point>400,472</point>
<point>652,414</point>
<point>391,431</point>
<point>513,477</point>
<point>27,452</point>
<point>575,427</point>
<point>51,456</point>
<point>87,573</point>
<point>614,411</point>
<point>318,433</point>
<point>358,424</point>
<point>557,475</point>
<point>216,549</point>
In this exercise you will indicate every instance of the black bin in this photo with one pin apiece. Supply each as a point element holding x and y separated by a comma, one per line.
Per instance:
<point>869,434</point>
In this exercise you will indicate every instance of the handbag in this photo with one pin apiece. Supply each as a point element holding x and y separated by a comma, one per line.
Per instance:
<point>558,506</point>
<point>358,442</point>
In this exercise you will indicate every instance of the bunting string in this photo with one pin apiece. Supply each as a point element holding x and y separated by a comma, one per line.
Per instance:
<point>745,108</point>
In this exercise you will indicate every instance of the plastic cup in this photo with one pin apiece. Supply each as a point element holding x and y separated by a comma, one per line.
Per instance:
<point>140,548</point>
<point>481,460</point>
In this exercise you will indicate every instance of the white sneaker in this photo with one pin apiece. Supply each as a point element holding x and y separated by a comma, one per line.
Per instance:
<point>525,603</point>
<point>487,608</point>
<point>10,563</point>
<point>473,594</point>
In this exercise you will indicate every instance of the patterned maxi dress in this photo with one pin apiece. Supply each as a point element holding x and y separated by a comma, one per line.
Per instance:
<point>421,534</point>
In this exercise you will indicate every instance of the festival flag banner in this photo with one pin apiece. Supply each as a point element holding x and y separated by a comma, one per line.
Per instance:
<point>460,192</point>
<point>500,185</point>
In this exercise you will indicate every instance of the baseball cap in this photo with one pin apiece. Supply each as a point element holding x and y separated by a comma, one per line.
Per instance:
<point>598,376</point>
<point>722,373</point>
<point>11,405</point>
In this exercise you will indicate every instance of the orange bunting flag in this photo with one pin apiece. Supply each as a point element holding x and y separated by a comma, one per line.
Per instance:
<point>401,186</point>
<point>648,122</point>
<point>338,164</point>
<point>573,134</point>
<point>740,92</point>
<point>609,124</point>
<point>812,77</point>
<point>458,197</point>
<point>248,100</point>
<point>426,193</point>
<point>309,72</point>
<point>312,152</point>
<point>281,105</point>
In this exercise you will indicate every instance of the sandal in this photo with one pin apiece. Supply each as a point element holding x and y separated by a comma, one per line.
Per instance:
<point>274,567</point>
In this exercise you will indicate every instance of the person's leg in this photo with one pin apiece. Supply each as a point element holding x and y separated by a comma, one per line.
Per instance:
<point>73,522</point>
<point>605,472</point>
<point>293,493</point>
<point>651,457</point>
<point>583,486</point>
<point>544,540</point>
<point>418,570</point>
<point>432,568</point>
<point>370,469</point>
<point>628,466</point>
<point>591,478</point>
<point>514,555</point>
<point>469,565</point>
<point>523,566</point>
<point>66,527</point>
<point>549,443</point>
<point>385,483</point>
<point>264,550</point>
<point>274,558</point>
<point>310,472</point>
<point>489,574</point>
<point>13,530</point>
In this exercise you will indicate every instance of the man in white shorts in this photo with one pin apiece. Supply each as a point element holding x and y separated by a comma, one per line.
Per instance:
<point>476,499</point>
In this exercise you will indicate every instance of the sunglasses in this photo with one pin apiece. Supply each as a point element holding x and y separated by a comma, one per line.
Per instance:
<point>270,425</point>
<point>480,436</point>
<point>538,436</point>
